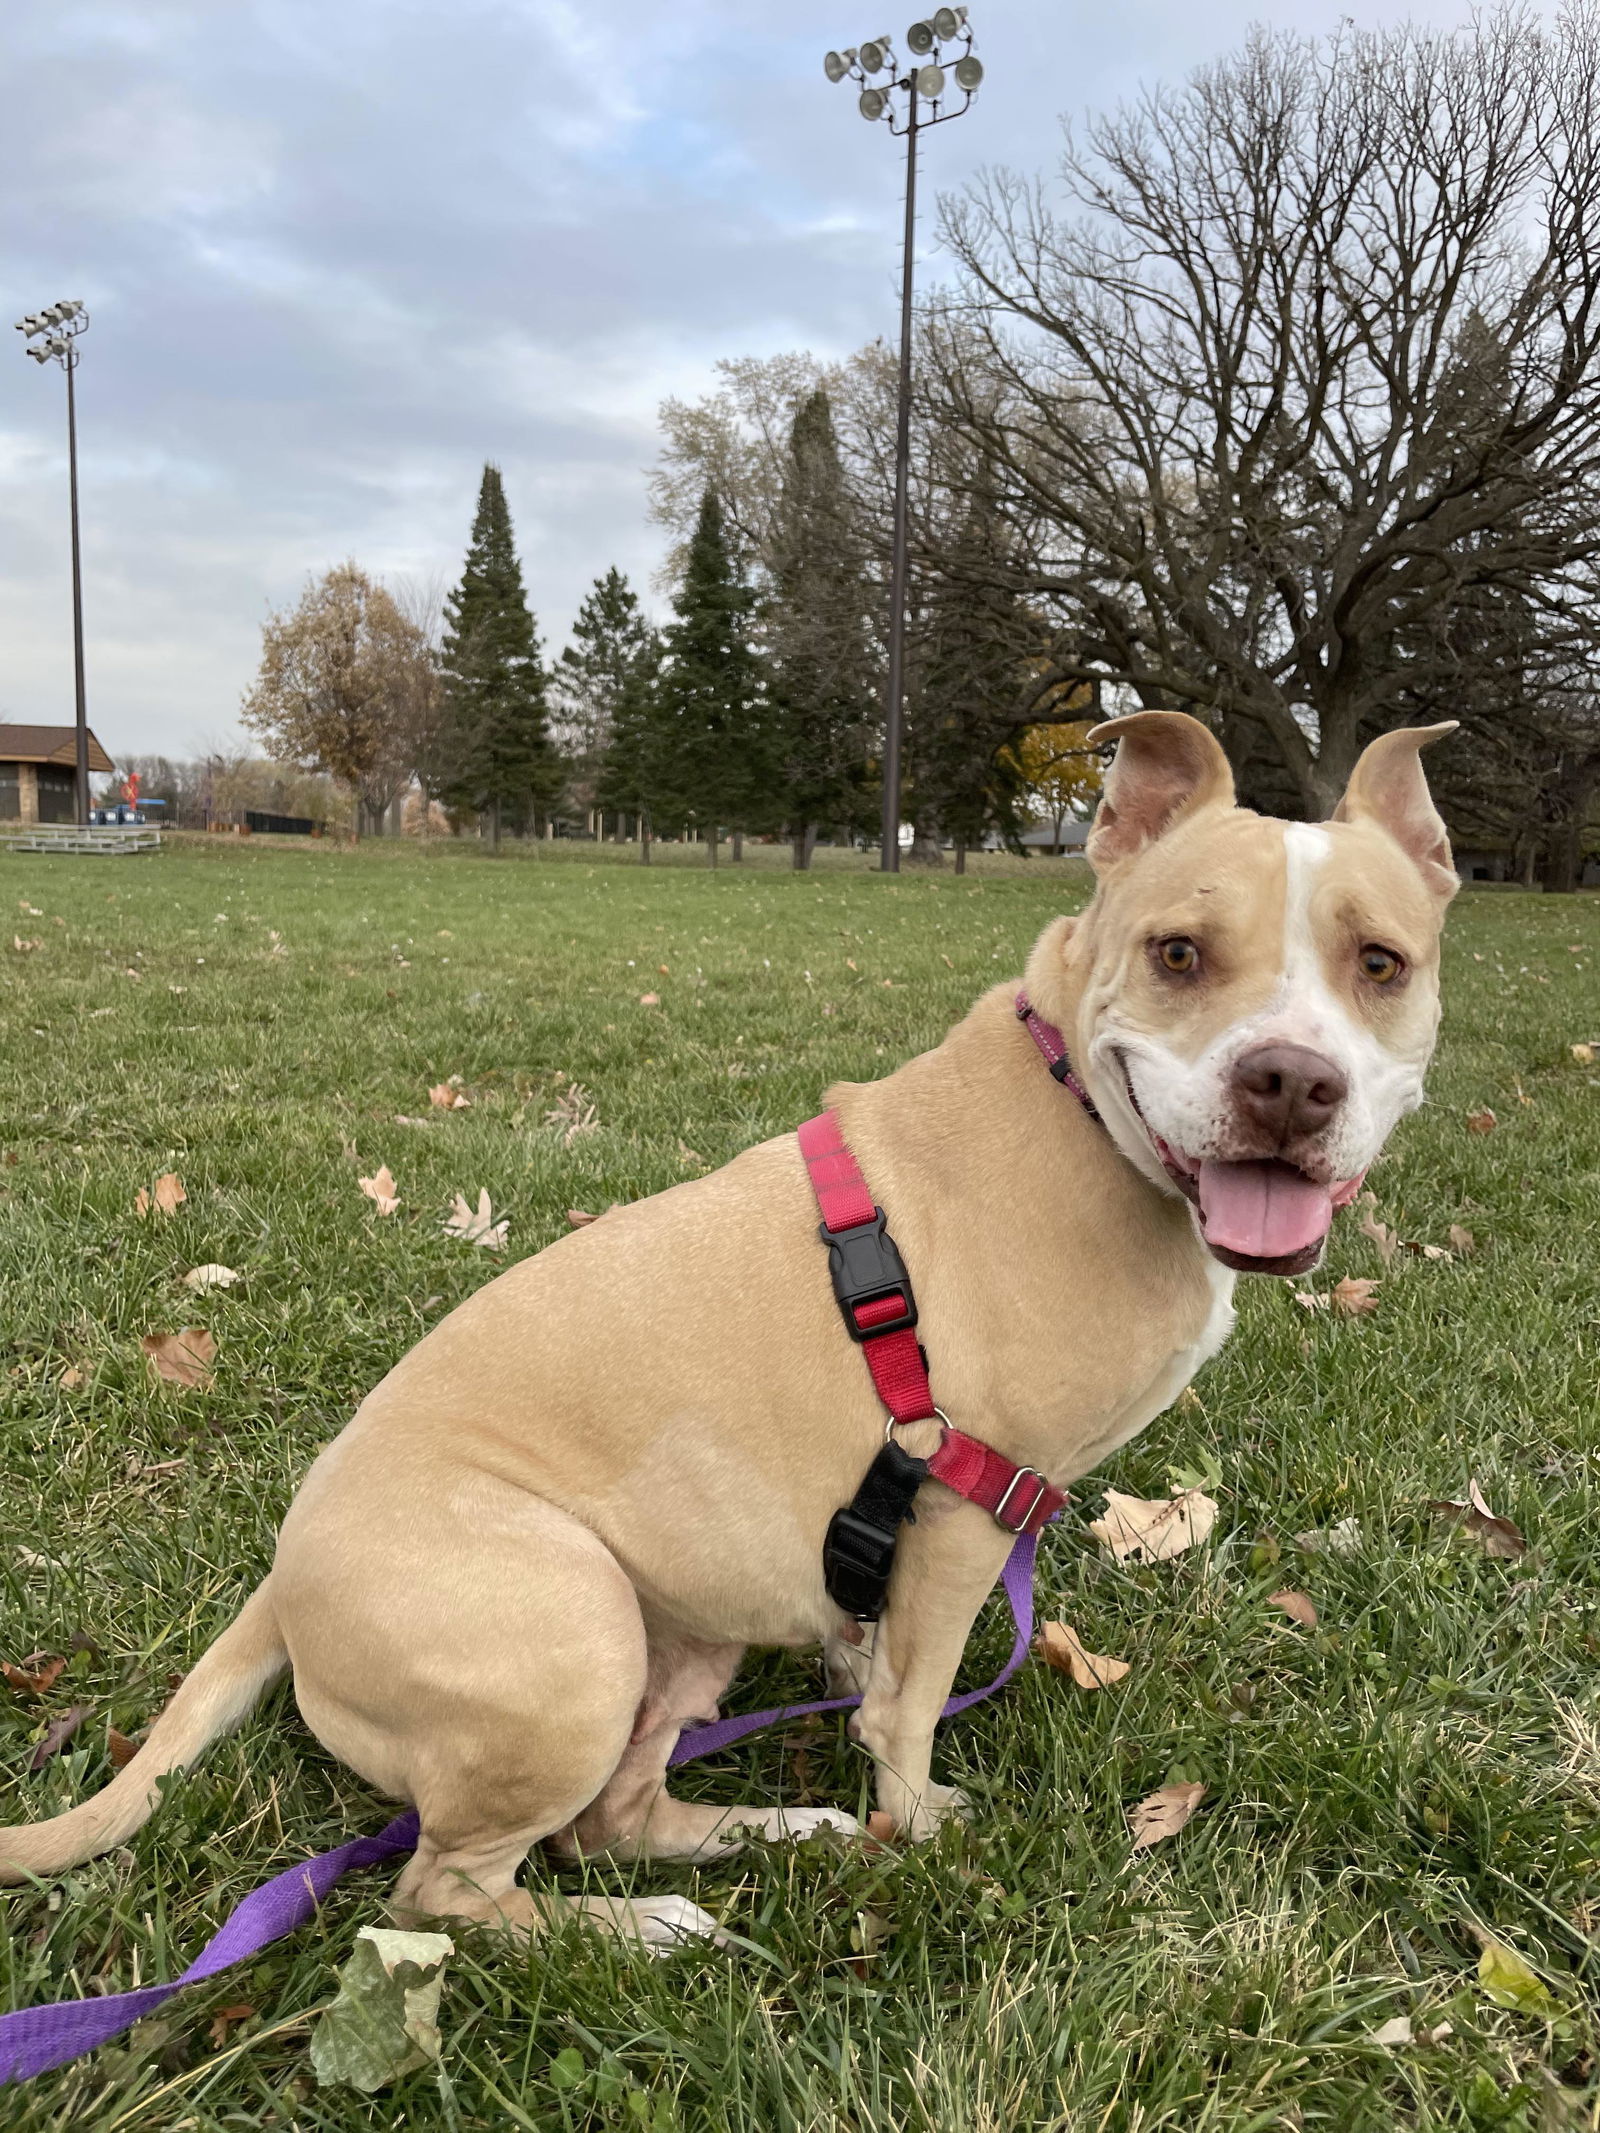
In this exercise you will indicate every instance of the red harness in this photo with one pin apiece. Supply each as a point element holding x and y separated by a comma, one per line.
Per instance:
<point>880,1313</point>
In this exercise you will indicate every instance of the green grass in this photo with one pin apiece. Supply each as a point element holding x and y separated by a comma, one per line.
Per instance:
<point>1421,1763</point>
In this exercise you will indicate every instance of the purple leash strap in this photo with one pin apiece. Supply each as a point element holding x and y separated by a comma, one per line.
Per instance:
<point>1017,1578</point>
<point>35,2039</point>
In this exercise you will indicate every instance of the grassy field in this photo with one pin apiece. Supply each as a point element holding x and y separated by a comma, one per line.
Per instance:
<point>1420,1768</point>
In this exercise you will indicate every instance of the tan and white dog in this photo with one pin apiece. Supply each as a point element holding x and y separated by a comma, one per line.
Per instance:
<point>543,1541</point>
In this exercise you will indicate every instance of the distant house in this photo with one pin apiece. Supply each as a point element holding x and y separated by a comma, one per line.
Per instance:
<point>38,772</point>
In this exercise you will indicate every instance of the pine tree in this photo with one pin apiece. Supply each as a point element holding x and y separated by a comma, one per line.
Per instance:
<point>612,641</point>
<point>970,661</point>
<point>631,774</point>
<point>823,661</point>
<point>709,727</point>
<point>503,763</point>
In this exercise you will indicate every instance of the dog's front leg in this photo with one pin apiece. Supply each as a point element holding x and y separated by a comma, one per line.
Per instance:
<point>945,1566</point>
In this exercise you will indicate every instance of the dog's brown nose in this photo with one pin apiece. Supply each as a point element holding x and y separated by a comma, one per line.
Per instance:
<point>1288,1090</point>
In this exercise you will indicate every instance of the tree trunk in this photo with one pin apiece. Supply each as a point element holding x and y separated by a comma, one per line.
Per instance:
<point>738,847</point>
<point>712,841</point>
<point>494,827</point>
<point>644,840</point>
<point>926,849</point>
<point>1563,856</point>
<point>961,855</point>
<point>802,843</point>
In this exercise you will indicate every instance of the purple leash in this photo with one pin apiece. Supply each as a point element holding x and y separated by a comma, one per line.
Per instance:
<point>37,2038</point>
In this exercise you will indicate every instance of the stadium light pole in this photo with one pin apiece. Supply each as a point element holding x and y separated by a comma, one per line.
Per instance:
<point>911,99</point>
<point>52,337</point>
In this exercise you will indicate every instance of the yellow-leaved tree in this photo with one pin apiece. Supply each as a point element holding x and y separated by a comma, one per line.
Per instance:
<point>1060,767</point>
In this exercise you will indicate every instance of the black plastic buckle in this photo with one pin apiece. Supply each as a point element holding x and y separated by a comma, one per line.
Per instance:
<point>858,1553</point>
<point>865,1267</point>
<point>857,1558</point>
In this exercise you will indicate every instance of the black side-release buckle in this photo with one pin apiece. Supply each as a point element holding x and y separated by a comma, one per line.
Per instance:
<point>858,1554</point>
<point>865,1267</point>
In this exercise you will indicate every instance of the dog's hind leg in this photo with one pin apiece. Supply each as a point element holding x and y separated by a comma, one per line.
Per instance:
<point>484,1657</point>
<point>635,1817</point>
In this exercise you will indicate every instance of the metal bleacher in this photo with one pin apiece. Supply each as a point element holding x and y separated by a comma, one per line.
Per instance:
<point>70,837</point>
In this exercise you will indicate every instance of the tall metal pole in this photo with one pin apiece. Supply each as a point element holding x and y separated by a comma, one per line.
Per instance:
<point>894,692</point>
<point>77,596</point>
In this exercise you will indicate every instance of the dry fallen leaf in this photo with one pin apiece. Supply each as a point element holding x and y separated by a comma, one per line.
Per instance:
<point>1584,1054</point>
<point>167,1198</point>
<point>210,1276</point>
<point>1483,1121</point>
<point>1462,1240</point>
<point>1495,1535</point>
<point>57,1734</point>
<point>1296,1606</point>
<point>1397,2031</point>
<point>573,1112</point>
<point>34,1676</point>
<point>649,999</point>
<point>1153,1531</point>
<point>380,1191</point>
<point>182,1358</point>
<point>1354,1297</point>
<point>119,1748</point>
<point>71,1378</point>
<point>1060,1647</point>
<point>1311,1299</point>
<point>580,1217</point>
<point>1386,1239</point>
<point>445,1096</point>
<point>476,1228</point>
<point>1345,1538</point>
<point>1162,1814</point>
<point>222,2022</point>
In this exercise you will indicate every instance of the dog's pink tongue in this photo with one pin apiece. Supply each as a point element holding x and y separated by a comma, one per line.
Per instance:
<point>1262,1210</point>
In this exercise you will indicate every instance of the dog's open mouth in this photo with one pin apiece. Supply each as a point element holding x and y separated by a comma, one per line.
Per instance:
<point>1261,1216</point>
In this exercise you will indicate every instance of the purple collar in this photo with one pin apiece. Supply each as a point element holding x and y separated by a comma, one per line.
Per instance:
<point>1053,1047</point>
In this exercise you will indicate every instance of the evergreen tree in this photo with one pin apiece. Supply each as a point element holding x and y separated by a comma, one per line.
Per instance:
<point>824,668</point>
<point>970,662</point>
<point>632,771</point>
<point>709,726</point>
<point>611,641</point>
<point>502,760</point>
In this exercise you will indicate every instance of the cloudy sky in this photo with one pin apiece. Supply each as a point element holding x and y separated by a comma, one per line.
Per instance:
<point>337,254</point>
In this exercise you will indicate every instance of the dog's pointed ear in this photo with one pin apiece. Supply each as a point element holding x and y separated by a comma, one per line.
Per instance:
<point>1387,787</point>
<point>1167,767</point>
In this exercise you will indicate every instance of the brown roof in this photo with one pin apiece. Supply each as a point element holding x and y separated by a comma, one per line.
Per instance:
<point>49,744</point>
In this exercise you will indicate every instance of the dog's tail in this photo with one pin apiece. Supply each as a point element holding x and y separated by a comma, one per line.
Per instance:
<point>221,1690</point>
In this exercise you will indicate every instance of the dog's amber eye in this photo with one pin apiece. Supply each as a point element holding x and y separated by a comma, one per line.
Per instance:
<point>1178,955</point>
<point>1381,965</point>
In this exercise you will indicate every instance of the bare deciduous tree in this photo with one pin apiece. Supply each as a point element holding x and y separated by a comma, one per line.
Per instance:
<point>1313,351</point>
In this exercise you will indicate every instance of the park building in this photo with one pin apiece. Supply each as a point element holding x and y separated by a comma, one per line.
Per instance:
<point>38,772</point>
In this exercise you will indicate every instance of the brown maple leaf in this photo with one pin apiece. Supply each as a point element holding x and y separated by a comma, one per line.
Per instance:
<point>1061,1647</point>
<point>1355,1297</point>
<point>183,1358</point>
<point>1162,1814</point>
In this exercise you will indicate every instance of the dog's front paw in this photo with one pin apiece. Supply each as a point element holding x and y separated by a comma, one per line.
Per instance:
<point>933,1808</point>
<point>667,1922</point>
<point>797,1822</point>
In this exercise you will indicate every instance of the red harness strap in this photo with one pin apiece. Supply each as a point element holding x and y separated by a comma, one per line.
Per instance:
<point>875,1295</point>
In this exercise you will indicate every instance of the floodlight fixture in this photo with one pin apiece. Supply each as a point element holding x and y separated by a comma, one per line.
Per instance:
<point>911,102</point>
<point>51,336</point>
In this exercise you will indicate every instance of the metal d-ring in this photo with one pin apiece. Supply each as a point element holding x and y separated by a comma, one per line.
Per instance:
<point>895,1423</point>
